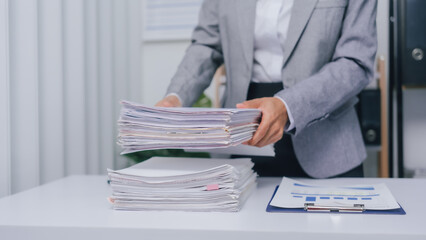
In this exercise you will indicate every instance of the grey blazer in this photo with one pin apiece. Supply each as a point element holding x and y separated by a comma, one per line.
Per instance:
<point>328,59</point>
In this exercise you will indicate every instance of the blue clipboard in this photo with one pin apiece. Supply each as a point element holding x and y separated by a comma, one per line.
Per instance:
<point>269,208</point>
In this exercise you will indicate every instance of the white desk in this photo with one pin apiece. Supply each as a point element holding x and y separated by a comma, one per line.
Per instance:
<point>76,208</point>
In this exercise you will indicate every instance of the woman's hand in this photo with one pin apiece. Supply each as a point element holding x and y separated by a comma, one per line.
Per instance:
<point>273,122</point>
<point>169,101</point>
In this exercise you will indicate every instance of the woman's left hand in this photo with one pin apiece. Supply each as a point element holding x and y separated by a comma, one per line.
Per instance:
<point>273,122</point>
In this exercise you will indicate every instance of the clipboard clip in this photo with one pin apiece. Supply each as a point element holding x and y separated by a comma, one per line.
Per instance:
<point>356,208</point>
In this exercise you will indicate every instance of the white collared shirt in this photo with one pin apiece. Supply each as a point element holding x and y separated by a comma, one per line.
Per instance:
<point>271,26</point>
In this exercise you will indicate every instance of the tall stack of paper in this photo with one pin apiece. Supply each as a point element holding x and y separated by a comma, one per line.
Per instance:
<point>184,184</point>
<point>144,128</point>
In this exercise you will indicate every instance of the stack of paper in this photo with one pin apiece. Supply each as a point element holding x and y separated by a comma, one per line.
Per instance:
<point>144,128</point>
<point>186,184</point>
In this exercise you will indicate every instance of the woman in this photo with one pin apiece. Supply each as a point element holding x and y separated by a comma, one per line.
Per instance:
<point>301,63</point>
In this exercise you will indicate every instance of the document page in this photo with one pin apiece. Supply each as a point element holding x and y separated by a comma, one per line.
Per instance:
<point>294,194</point>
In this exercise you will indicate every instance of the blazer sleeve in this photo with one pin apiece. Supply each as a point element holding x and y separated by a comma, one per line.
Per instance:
<point>202,57</point>
<point>350,70</point>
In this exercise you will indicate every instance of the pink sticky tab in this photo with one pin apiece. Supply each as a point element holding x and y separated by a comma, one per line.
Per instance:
<point>212,187</point>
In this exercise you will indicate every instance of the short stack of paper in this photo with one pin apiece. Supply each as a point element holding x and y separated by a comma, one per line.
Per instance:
<point>144,128</point>
<point>183,184</point>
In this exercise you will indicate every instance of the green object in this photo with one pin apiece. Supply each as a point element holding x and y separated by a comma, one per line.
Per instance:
<point>141,156</point>
<point>203,101</point>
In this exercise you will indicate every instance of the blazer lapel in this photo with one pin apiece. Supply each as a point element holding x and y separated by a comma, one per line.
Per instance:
<point>300,15</point>
<point>246,15</point>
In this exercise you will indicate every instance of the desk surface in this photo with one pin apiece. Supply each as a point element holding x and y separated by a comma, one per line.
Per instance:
<point>76,208</point>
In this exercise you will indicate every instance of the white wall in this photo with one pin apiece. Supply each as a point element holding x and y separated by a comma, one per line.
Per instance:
<point>64,66</point>
<point>159,63</point>
<point>160,60</point>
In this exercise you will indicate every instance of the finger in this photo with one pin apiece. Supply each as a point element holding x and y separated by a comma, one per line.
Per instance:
<point>271,140</point>
<point>274,134</point>
<point>159,104</point>
<point>166,104</point>
<point>241,105</point>
<point>258,135</point>
<point>267,139</point>
<point>255,103</point>
<point>260,132</point>
<point>278,137</point>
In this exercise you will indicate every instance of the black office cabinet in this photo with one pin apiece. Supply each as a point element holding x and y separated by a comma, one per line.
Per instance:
<point>368,110</point>
<point>407,66</point>
<point>412,42</point>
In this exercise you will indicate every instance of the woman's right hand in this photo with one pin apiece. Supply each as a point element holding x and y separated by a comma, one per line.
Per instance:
<point>169,101</point>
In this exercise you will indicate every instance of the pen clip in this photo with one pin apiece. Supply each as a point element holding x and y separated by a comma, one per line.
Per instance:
<point>356,208</point>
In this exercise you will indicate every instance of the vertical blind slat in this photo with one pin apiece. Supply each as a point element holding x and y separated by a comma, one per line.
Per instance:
<point>51,91</point>
<point>74,78</point>
<point>92,85</point>
<point>133,21</point>
<point>120,63</point>
<point>106,102</point>
<point>24,94</point>
<point>4,100</point>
